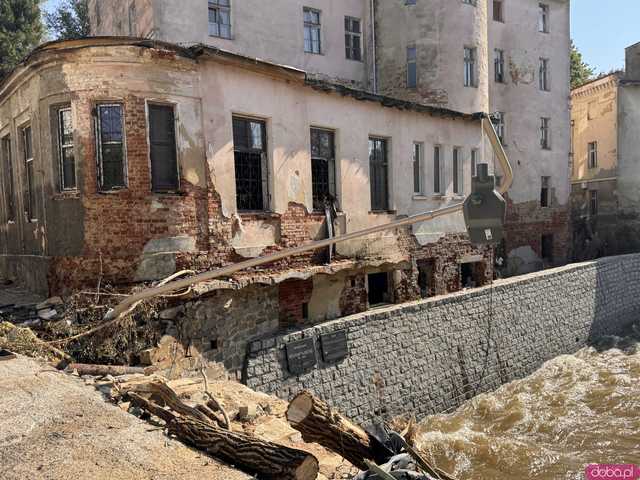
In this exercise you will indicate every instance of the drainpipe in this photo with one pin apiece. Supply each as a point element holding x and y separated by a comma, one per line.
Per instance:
<point>373,46</point>
<point>487,128</point>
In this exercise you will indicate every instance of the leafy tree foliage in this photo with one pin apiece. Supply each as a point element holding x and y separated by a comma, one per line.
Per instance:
<point>581,72</point>
<point>20,31</point>
<point>69,21</point>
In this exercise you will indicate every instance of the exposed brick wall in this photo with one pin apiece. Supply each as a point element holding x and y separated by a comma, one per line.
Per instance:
<point>354,295</point>
<point>292,295</point>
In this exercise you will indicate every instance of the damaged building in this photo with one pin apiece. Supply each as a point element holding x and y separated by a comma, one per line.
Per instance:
<point>234,130</point>
<point>605,114</point>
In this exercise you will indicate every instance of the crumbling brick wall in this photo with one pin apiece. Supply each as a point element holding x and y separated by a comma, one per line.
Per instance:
<point>293,295</point>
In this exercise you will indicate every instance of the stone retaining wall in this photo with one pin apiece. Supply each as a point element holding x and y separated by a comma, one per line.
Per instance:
<point>430,356</point>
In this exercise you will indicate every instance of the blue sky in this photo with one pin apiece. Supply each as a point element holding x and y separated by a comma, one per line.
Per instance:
<point>600,29</point>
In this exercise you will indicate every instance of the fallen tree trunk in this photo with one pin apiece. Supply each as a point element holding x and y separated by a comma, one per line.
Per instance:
<point>318,423</point>
<point>266,459</point>
<point>103,370</point>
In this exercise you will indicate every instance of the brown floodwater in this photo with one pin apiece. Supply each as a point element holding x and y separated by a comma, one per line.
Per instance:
<point>575,410</point>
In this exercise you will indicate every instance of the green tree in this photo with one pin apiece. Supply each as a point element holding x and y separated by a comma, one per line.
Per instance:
<point>581,72</point>
<point>20,31</point>
<point>69,21</point>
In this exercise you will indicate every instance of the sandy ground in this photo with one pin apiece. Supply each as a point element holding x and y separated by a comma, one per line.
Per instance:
<point>53,426</point>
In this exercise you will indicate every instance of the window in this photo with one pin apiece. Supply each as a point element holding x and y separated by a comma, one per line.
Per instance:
<point>470,2</point>
<point>353,38</point>
<point>29,193</point>
<point>417,168</point>
<point>474,162</point>
<point>66,157</point>
<point>593,202</point>
<point>409,2</point>
<point>499,65</point>
<point>543,18</point>
<point>469,67</point>
<point>437,170</point>
<point>250,154</point>
<point>498,14</point>
<point>545,192</point>
<point>499,125</point>
<point>412,67</point>
<point>545,141</point>
<point>9,192</point>
<point>323,167</point>
<point>162,148</point>
<point>220,18</point>
<point>543,75</point>
<point>593,154</point>
<point>457,170</point>
<point>312,31</point>
<point>132,19</point>
<point>111,151</point>
<point>98,14</point>
<point>378,288</point>
<point>379,174</point>
<point>546,242</point>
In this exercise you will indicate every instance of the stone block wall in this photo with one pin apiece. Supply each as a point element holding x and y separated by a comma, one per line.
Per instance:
<point>430,356</point>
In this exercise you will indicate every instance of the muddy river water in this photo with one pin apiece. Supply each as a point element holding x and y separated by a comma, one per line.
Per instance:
<point>575,410</point>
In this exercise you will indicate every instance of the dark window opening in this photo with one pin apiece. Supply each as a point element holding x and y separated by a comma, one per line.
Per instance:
<point>379,174</point>
<point>497,11</point>
<point>162,147</point>
<point>412,67</point>
<point>9,192</point>
<point>426,278</point>
<point>544,192</point>
<point>111,152</point>
<point>29,193</point>
<point>323,167</point>
<point>353,38</point>
<point>499,66</point>
<point>214,344</point>
<point>437,171</point>
<point>547,247</point>
<point>67,162</point>
<point>305,311</point>
<point>249,143</point>
<point>593,202</point>
<point>472,274</point>
<point>378,288</point>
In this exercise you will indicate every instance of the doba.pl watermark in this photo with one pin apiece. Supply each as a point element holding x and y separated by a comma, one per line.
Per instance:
<point>612,472</point>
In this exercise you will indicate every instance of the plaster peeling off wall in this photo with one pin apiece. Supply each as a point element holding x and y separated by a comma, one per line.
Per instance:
<point>251,238</point>
<point>434,230</point>
<point>521,70</point>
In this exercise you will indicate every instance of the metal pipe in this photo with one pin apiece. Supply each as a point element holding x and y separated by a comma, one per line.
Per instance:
<point>126,304</point>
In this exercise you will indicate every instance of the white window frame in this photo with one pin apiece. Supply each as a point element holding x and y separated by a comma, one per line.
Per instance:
<point>543,17</point>
<point>30,208</point>
<point>62,147</point>
<point>500,126</point>
<point>592,154</point>
<point>470,66</point>
<point>214,27</point>
<point>311,26</point>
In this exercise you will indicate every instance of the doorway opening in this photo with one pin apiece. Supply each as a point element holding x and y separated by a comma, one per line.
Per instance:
<point>378,288</point>
<point>426,277</point>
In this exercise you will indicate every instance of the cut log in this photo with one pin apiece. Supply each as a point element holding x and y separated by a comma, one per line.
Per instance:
<point>103,370</point>
<point>265,459</point>
<point>318,423</point>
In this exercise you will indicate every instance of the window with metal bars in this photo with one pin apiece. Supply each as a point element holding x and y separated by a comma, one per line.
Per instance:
<point>499,65</point>
<point>379,174</point>
<point>220,18</point>
<point>470,54</point>
<point>353,38</point>
<point>29,173</point>
<point>162,148</point>
<point>250,147</point>
<point>545,140</point>
<point>312,31</point>
<point>499,124</point>
<point>66,156</point>
<point>111,146</point>
<point>9,192</point>
<point>543,74</point>
<point>323,175</point>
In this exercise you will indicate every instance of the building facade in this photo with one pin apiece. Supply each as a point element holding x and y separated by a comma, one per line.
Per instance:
<point>606,166</point>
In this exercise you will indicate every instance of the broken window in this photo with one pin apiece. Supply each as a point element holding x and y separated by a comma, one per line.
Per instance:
<point>378,291</point>
<point>66,157</point>
<point>545,192</point>
<point>498,14</point>
<point>593,154</point>
<point>426,277</point>
<point>593,202</point>
<point>250,154</point>
<point>111,151</point>
<point>353,38</point>
<point>379,174</point>
<point>29,172</point>
<point>9,192</point>
<point>132,19</point>
<point>543,74</point>
<point>499,65</point>
<point>312,34</point>
<point>547,247</point>
<point>470,66</point>
<point>220,18</point>
<point>545,141</point>
<point>499,124</point>
<point>543,18</point>
<point>162,148</point>
<point>457,170</point>
<point>412,67</point>
<point>417,168</point>
<point>323,167</point>
<point>474,162</point>
<point>437,170</point>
